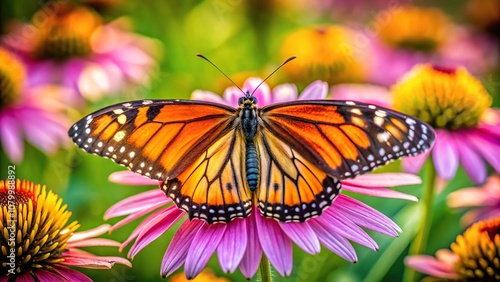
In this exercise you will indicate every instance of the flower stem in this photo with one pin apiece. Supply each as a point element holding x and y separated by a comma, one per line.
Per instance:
<point>265,269</point>
<point>419,243</point>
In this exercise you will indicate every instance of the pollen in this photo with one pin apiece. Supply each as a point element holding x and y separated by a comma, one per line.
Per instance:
<point>36,224</point>
<point>478,250</point>
<point>449,98</point>
<point>324,52</point>
<point>412,27</point>
<point>12,77</point>
<point>65,32</point>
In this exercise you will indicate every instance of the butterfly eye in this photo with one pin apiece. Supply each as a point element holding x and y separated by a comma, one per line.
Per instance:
<point>241,100</point>
<point>254,100</point>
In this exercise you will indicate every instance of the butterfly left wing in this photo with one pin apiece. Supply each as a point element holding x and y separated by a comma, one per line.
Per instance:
<point>345,138</point>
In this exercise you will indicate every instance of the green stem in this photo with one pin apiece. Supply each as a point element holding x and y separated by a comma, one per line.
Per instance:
<point>419,244</point>
<point>265,269</point>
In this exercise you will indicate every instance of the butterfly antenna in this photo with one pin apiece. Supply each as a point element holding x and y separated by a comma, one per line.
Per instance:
<point>282,64</point>
<point>206,59</point>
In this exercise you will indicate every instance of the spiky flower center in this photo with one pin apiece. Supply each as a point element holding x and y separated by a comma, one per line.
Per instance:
<point>65,32</point>
<point>12,77</point>
<point>325,52</point>
<point>478,250</point>
<point>412,27</point>
<point>33,224</point>
<point>443,97</point>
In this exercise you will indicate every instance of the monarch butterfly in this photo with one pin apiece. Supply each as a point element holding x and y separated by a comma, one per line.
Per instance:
<point>217,162</point>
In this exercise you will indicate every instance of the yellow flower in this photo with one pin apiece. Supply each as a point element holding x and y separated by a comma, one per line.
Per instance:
<point>413,27</point>
<point>12,78</point>
<point>444,98</point>
<point>323,52</point>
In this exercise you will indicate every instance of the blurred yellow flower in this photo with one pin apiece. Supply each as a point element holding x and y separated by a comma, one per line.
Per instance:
<point>323,52</point>
<point>12,78</point>
<point>413,27</point>
<point>205,275</point>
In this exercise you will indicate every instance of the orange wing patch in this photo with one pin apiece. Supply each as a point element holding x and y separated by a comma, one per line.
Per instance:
<point>291,188</point>
<point>213,187</point>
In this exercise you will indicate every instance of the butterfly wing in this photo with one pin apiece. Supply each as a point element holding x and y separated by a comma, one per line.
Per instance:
<point>158,139</point>
<point>310,145</point>
<point>213,187</point>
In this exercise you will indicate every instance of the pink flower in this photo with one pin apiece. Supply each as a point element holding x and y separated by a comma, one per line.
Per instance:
<point>281,93</point>
<point>484,199</point>
<point>69,45</point>
<point>196,241</point>
<point>28,111</point>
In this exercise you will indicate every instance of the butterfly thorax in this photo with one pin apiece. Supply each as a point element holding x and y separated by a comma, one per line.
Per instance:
<point>248,115</point>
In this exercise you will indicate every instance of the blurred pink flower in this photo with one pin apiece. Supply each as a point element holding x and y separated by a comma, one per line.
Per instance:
<point>484,200</point>
<point>196,241</point>
<point>69,45</point>
<point>28,111</point>
<point>264,95</point>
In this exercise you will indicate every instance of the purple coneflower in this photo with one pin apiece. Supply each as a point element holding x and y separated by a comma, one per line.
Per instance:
<point>473,257</point>
<point>29,112</point>
<point>70,45</point>
<point>242,242</point>
<point>38,243</point>
<point>484,200</point>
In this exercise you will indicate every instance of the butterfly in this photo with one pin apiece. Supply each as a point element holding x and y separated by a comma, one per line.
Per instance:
<point>217,162</point>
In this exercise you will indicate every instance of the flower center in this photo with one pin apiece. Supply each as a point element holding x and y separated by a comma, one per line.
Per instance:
<point>12,76</point>
<point>325,52</point>
<point>478,250</point>
<point>412,27</point>
<point>443,97</point>
<point>64,31</point>
<point>36,224</point>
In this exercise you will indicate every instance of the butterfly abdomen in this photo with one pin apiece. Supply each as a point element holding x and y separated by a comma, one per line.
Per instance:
<point>252,165</point>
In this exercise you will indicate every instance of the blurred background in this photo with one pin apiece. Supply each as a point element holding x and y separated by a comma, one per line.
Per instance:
<point>337,41</point>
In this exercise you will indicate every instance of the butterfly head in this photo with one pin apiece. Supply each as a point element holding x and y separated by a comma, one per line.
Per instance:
<point>248,99</point>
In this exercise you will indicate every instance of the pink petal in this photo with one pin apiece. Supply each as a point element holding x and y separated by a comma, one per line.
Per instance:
<point>314,91</point>
<point>344,227</point>
<point>208,96</point>
<point>472,163</point>
<point>431,266</point>
<point>303,235</point>
<point>128,177</point>
<point>253,252</point>
<point>67,273</point>
<point>333,241</point>
<point>233,245</point>
<point>445,155</point>
<point>470,197</point>
<point>263,93</point>
<point>380,192</point>
<point>203,246</point>
<point>87,260</point>
<point>138,229</point>
<point>363,215</point>
<point>94,232</point>
<point>386,179</point>
<point>94,242</point>
<point>148,200</point>
<point>414,164</point>
<point>11,137</point>
<point>232,95</point>
<point>155,228</point>
<point>284,93</point>
<point>485,145</point>
<point>179,246</point>
<point>366,93</point>
<point>276,245</point>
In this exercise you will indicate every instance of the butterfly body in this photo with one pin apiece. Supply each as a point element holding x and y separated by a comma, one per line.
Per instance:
<point>218,163</point>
